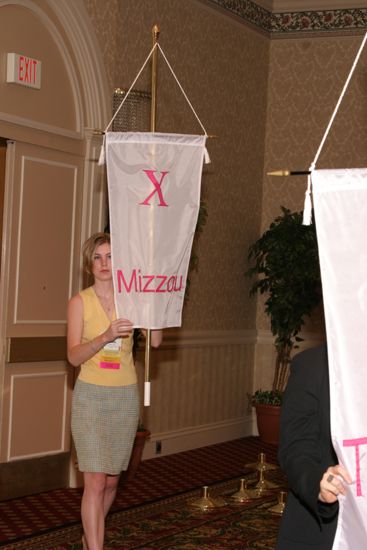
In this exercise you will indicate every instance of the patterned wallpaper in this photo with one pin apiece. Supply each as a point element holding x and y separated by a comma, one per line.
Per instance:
<point>104,16</point>
<point>268,101</point>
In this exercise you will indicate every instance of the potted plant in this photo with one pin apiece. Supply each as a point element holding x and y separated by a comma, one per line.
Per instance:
<point>267,405</point>
<point>285,264</point>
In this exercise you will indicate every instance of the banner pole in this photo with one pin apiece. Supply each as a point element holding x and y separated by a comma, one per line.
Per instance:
<point>153,110</point>
<point>153,117</point>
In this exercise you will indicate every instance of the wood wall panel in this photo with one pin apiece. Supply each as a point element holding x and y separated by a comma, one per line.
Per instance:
<point>46,223</point>
<point>36,409</point>
<point>2,184</point>
<point>45,220</point>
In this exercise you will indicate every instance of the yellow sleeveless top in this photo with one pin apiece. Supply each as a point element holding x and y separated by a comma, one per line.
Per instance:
<point>108,367</point>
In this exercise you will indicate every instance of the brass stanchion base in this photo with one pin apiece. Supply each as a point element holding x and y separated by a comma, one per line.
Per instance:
<point>263,485</point>
<point>205,502</point>
<point>279,507</point>
<point>243,494</point>
<point>261,464</point>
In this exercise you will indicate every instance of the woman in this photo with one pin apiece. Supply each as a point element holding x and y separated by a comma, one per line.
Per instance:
<point>105,407</point>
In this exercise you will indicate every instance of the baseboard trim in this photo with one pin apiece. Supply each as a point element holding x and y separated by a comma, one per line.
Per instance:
<point>198,436</point>
<point>26,477</point>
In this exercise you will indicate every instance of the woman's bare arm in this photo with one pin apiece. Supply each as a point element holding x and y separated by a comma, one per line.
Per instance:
<point>156,337</point>
<point>79,353</point>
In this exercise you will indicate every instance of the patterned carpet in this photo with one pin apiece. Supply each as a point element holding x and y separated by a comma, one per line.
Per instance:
<point>152,511</point>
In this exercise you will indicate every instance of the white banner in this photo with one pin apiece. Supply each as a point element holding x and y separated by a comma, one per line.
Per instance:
<point>154,198</point>
<point>340,202</point>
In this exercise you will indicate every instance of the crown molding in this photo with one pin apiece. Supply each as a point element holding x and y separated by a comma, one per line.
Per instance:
<point>286,6</point>
<point>279,18</point>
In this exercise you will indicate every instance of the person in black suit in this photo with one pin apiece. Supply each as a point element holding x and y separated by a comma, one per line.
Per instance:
<point>307,457</point>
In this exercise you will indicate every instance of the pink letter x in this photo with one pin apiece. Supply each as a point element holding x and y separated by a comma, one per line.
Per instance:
<point>157,187</point>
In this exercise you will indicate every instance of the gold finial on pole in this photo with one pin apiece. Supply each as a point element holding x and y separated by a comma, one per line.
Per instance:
<point>289,173</point>
<point>153,112</point>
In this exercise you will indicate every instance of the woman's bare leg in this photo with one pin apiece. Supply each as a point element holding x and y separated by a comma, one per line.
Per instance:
<point>92,510</point>
<point>110,492</point>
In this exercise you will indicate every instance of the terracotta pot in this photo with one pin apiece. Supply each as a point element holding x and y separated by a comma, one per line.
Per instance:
<point>268,418</point>
<point>136,455</point>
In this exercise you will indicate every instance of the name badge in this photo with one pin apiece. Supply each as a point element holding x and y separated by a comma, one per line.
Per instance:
<point>110,355</point>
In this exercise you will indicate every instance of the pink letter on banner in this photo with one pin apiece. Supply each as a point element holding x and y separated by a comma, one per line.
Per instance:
<point>356,443</point>
<point>157,187</point>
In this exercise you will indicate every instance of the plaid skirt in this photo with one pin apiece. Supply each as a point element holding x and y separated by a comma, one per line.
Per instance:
<point>104,420</point>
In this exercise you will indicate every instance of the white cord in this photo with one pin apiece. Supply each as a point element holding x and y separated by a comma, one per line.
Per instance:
<point>307,209</point>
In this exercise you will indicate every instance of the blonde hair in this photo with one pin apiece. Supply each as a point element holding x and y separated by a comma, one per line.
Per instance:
<point>89,248</point>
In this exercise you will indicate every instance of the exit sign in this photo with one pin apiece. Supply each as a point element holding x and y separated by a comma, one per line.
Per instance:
<point>23,70</point>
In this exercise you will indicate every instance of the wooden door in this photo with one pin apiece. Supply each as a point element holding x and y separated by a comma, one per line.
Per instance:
<point>41,258</point>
